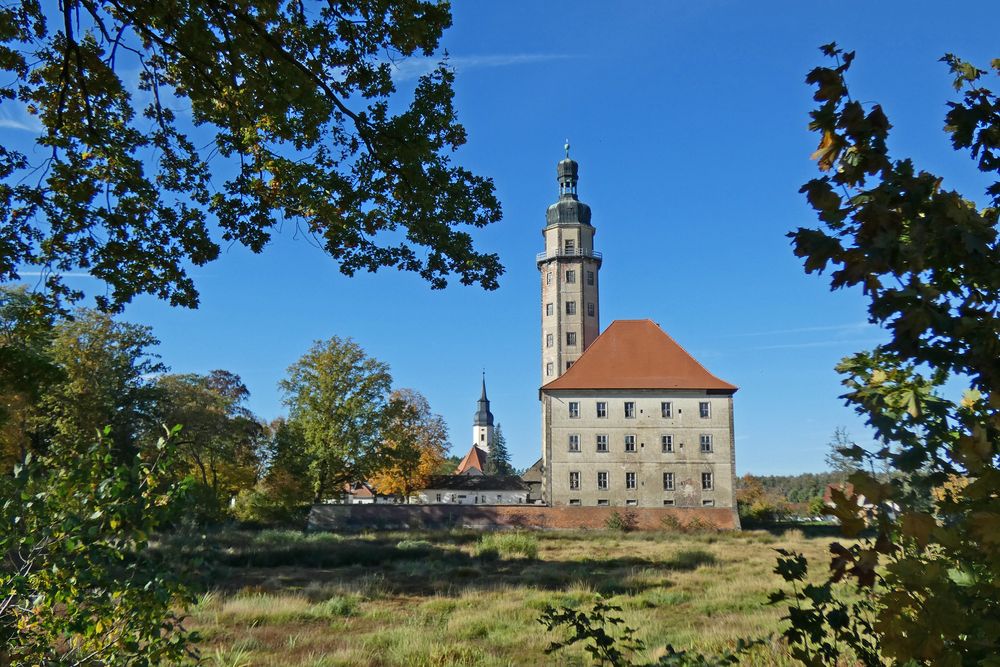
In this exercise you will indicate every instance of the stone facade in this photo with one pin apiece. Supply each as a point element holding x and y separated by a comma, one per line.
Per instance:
<point>597,455</point>
<point>569,269</point>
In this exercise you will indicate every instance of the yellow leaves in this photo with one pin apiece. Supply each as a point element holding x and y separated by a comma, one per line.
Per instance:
<point>918,525</point>
<point>829,149</point>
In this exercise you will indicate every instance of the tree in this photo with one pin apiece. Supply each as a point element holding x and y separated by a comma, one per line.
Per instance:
<point>756,504</point>
<point>336,396</point>
<point>295,104</point>
<point>220,438</point>
<point>284,492</point>
<point>928,262</point>
<point>498,462</point>
<point>414,445</point>
<point>79,585</point>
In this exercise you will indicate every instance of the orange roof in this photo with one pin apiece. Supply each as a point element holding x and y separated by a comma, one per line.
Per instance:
<point>476,458</point>
<point>637,354</point>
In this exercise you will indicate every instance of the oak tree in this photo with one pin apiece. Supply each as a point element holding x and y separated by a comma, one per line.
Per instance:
<point>243,116</point>
<point>336,397</point>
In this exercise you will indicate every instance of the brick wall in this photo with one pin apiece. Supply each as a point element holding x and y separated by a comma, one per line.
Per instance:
<point>353,517</point>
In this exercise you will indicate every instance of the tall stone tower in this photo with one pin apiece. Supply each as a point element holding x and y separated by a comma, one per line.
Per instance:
<point>569,268</point>
<point>482,423</point>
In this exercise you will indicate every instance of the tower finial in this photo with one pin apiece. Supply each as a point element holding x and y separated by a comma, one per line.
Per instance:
<point>567,148</point>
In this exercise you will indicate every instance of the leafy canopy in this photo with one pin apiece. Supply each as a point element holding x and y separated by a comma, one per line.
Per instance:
<point>928,260</point>
<point>292,105</point>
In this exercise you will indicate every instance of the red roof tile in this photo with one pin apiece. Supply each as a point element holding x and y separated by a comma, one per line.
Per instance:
<point>476,458</point>
<point>637,354</point>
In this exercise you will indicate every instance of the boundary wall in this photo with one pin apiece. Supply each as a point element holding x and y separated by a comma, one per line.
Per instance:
<point>501,517</point>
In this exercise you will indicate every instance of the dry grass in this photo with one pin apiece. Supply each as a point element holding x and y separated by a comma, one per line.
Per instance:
<point>427,598</point>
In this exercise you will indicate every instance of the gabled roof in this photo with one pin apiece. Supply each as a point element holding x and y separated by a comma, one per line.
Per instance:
<point>476,458</point>
<point>534,473</point>
<point>637,354</point>
<point>476,483</point>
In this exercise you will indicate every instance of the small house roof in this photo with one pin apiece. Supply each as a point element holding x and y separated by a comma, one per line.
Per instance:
<point>476,458</point>
<point>476,483</point>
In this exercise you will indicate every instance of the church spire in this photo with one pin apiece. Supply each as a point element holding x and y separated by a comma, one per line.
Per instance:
<point>483,415</point>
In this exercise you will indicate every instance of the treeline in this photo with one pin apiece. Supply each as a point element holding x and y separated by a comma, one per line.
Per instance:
<point>65,379</point>
<point>800,488</point>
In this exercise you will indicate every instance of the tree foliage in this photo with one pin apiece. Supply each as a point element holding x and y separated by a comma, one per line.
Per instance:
<point>220,440</point>
<point>928,262</point>
<point>414,445</point>
<point>756,504</point>
<point>294,103</point>
<point>79,585</point>
<point>336,397</point>
<point>498,461</point>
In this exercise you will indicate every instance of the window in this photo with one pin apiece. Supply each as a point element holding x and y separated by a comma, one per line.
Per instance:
<point>590,310</point>
<point>706,442</point>
<point>574,443</point>
<point>602,409</point>
<point>574,501</point>
<point>629,410</point>
<point>570,276</point>
<point>571,338</point>
<point>630,480</point>
<point>549,309</point>
<point>590,277</point>
<point>569,245</point>
<point>548,278</point>
<point>571,307</point>
<point>632,501</point>
<point>706,481</point>
<point>574,409</point>
<point>438,497</point>
<point>602,443</point>
<point>668,481</point>
<point>666,409</point>
<point>602,480</point>
<point>629,443</point>
<point>574,480</point>
<point>548,369</point>
<point>708,502</point>
<point>549,340</point>
<point>667,444</point>
<point>603,501</point>
<point>482,437</point>
<point>668,501</point>
<point>704,410</point>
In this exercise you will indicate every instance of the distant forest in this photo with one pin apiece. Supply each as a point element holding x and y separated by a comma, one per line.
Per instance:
<point>798,488</point>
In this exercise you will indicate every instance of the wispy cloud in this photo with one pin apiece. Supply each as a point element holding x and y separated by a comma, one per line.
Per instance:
<point>43,274</point>
<point>855,326</point>
<point>14,116</point>
<point>411,68</point>
<point>819,343</point>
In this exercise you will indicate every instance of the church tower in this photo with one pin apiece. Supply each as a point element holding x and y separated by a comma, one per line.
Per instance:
<point>568,268</point>
<point>482,423</point>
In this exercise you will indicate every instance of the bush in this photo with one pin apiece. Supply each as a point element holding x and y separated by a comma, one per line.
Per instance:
<point>419,546</point>
<point>507,545</point>
<point>339,605</point>
<point>624,521</point>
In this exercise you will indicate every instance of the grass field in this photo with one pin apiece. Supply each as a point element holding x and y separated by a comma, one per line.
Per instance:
<point>282,598</point>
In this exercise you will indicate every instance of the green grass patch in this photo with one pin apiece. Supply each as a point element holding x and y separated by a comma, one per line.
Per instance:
<point>507,545</point>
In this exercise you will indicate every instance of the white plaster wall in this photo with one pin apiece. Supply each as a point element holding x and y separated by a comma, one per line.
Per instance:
<point>451,497</point>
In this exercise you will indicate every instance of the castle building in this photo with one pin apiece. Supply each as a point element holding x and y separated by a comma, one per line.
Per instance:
<point>629,418</point>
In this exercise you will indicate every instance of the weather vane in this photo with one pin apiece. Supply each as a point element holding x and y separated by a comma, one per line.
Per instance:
<point>567,148</point>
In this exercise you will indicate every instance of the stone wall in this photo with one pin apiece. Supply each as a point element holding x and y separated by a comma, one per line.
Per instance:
<point>489,517</point>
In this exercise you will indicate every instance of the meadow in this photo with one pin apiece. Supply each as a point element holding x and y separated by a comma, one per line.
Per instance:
<point>284,598</point>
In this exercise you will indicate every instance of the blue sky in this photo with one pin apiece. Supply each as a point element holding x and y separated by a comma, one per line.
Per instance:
<point>689,124</point>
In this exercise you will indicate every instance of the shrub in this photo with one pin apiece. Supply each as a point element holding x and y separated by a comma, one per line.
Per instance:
<point>507,545</point>
<point>624,521</point>
<point>418,546</point>
<point>338,605</point>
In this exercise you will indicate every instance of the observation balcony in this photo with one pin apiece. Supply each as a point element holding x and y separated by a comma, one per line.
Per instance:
<point>563,252</point>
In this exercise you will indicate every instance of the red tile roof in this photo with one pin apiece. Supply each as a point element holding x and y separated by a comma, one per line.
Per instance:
<point>476,458</point>
<point>637,354</point>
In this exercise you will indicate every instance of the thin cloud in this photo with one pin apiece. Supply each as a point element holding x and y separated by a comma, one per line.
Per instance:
<point>819,343</point>
<point>832,327</point>
<point>44,274</point>
<point>415,67</point>
<point>15,117</point>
